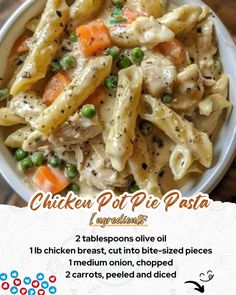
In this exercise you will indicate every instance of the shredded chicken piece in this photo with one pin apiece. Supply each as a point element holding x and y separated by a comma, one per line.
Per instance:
<point>188,89</point>
<point>95,167</point>
<point>76,130</point>
<point>159,74</point>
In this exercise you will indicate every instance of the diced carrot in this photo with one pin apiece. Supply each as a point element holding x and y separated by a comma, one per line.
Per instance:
<point>94,38</point>
<point>131,14</point>
<point>174,49</point>
<point>55,87</point>
<point>50,180</point>
<point>20,45</point>
<point>97,96</point>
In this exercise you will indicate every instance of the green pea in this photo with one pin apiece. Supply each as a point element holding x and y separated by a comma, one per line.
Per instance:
<point>26,164</point>
<point>55,162</point>
<point>88,110</point>
<point>118,3</point>
<point>124,62</point>
<point>67,62</point>
<point>75,188</point>
<point>146,127</point>
<point>137,54</point>
<point>4,93</point>
<point>71,171</point>
<point>38,158</point>
<point>56,66</point>
<point>133,187</point>
<point>111,82</point>
<point>218,64</point>
<point>114,52</point>
<point>117,12</point>
<point>73,37</point>
<point>20,155</point>
<point>167,98</point>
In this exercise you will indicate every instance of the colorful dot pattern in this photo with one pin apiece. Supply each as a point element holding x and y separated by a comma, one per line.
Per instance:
<point>12,283</point>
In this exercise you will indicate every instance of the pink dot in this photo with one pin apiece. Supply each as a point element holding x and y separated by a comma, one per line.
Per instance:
<point>23,291</point>
<point>5,286</point>
<point>52,279</point>
<point>41,292</point>
<point>35,284</point>
<point>17,282</point>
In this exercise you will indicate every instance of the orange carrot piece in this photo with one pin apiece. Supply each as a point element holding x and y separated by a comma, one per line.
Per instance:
<point>20,45</point>
<point>50,180</point>
<point>131,15</point>
<point>97,97</point>
<point>174,49</point>
<point>55,87</point>
<point>94,38</point>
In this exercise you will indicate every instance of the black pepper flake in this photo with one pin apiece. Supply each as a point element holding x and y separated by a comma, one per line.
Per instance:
<point>161,174</point>
<point>145,166</point>
<point>158,141</point>
<point>177,129</point>
<point>199,30</point>
<point>94,173</point>
<point>26,75</point>
<point>58,12</point>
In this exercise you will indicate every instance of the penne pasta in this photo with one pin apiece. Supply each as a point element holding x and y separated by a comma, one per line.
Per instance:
<point>177,128</point>
<point>34,140</point>
<point>82,10</point>
<point>151,7</point>
<point>16,139</point>
<point>140,165</point>
<point>9,118</point>
<point>181,160</point>
<point>143,31</point>
<point>45,46</point>
<point>74,95</point>
<point>119,145</point>
<point>182,19</point>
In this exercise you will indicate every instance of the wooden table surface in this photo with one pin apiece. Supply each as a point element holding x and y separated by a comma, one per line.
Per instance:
<point>226,191</point>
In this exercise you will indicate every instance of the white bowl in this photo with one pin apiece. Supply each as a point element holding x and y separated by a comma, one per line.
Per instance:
<point>224,147</point>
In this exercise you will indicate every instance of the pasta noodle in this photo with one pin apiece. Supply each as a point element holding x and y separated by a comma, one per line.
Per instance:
<point>181,160</point>
<point>119,145</point>
<point>16,139</point>
<point>140,165</point>
<point>178,129</point>
<point>143,31</point>
<point>45,46</point>
<point>9,118</point>
<point>182,19</point>
<point>82,10</point>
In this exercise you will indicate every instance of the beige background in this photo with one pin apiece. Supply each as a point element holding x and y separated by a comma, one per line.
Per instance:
<point>226,191</point>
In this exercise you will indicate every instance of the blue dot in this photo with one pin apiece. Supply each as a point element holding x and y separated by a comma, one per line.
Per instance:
<point>40,276</point>
<point>31,291</point>
<point>45,285</point>
<point>14,290</point>
<point>3,276</point>
<point>52,290</point>
<point>27,280</point>
<point>14,274</point>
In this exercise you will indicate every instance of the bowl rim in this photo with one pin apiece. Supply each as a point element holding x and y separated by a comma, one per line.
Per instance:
<point>207,185</point>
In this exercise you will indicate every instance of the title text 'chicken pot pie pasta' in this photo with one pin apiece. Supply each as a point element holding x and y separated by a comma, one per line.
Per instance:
<point>121,95</point>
